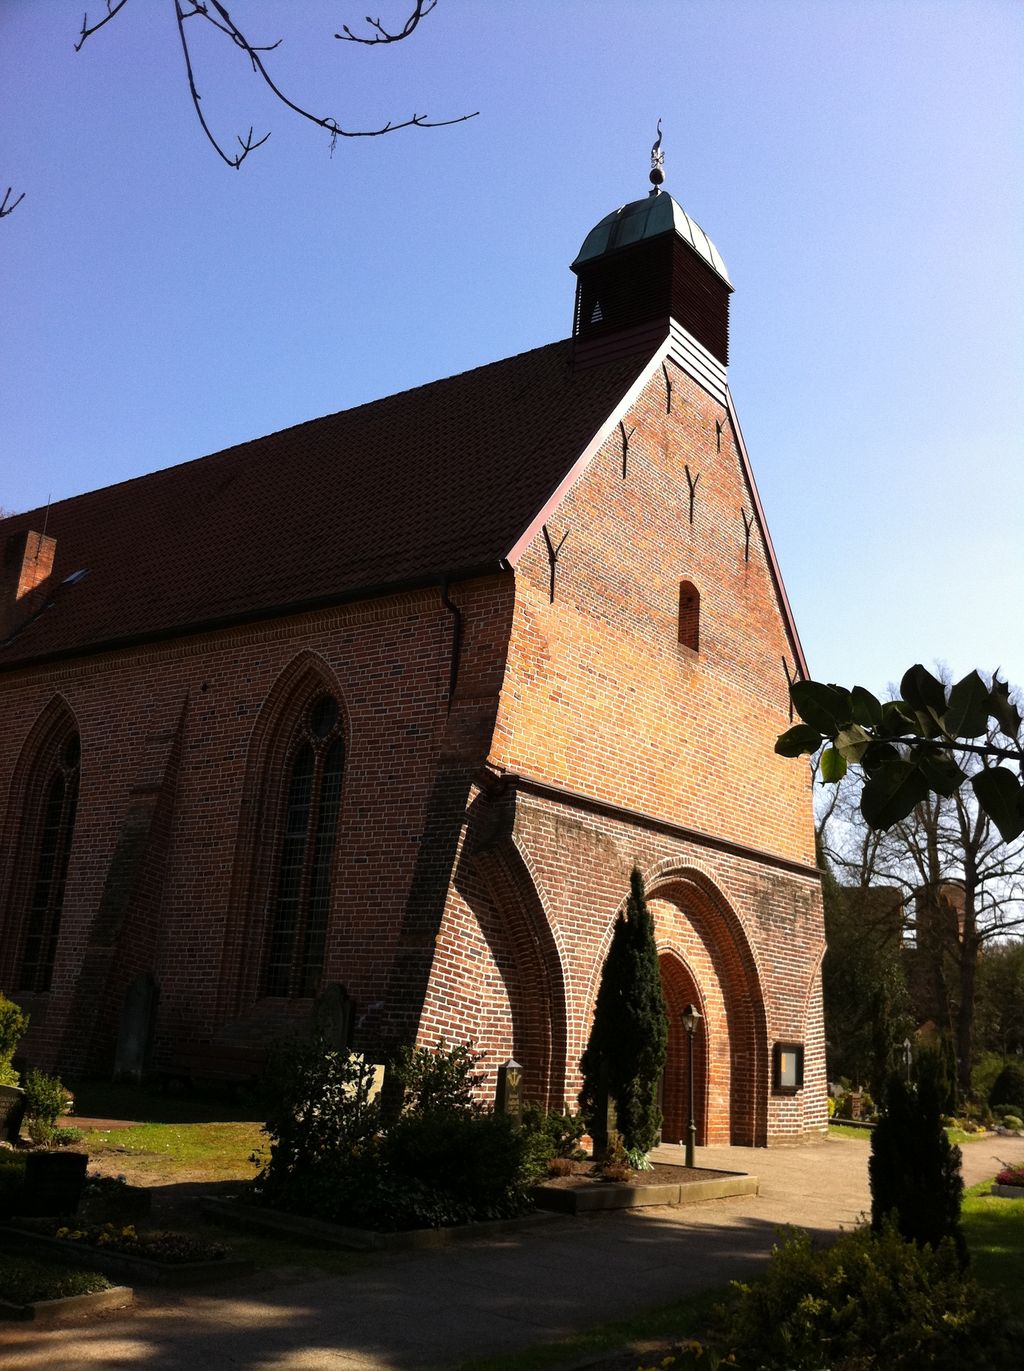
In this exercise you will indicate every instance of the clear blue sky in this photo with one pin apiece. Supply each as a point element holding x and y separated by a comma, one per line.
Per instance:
<point>859,165</point>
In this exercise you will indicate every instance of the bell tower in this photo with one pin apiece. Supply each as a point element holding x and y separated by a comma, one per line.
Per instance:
<point>646,270</point>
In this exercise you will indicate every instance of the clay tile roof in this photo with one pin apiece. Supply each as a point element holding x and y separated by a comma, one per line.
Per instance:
<point>438,480</point>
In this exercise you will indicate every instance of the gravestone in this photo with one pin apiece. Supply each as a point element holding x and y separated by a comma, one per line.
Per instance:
<point>135,1030</point>
<point>333,1016</point>
<point>509,1096</point>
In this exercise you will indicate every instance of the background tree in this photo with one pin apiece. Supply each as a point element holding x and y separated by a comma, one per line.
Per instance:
<point>214,14</point>
<point>999,998</point>
<point>867,1005</point>
<point>946,813</point>
<point>629,1037</point>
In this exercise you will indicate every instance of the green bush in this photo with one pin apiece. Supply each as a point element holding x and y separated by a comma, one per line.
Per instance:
<point>870,1300</point>
<point>1008,1087</point>
<point>322,1121</point>
<point>437,1079</point>
<point>45,1097</point>
<point>1012,1121</point>
<point>13,1023</point>
<point>474,1162</point>
<point>49,1135</point>
<point>913,1167</point>
<point>549,1135</point>
<point>330,1158</point>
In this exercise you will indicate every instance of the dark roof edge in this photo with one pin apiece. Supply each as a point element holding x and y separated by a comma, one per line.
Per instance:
<point>773,561</point>
<point>577,800</point>
<point>375,592</point>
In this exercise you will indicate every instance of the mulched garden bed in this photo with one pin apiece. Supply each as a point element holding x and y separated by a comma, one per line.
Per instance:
<point>586,1191</point>
<point>154,1258</point>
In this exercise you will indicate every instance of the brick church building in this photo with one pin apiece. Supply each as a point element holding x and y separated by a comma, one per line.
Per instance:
<point>395,699</point>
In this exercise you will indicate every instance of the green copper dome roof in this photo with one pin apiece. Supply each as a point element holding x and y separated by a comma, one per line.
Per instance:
<point>649,218</point>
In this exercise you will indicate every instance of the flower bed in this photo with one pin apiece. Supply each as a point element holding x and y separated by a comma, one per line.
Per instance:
<point>36,1290</point>
<point>155,1256</point>
<point>1009,1184</point>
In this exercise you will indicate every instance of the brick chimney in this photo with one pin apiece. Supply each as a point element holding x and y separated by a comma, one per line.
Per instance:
<point>27,566</point>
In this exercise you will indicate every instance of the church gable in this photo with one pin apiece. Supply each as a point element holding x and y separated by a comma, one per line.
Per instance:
<point>652,640</point>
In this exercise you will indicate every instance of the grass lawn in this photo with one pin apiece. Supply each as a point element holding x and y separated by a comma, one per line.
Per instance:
<point>183,1150</point>
<point>994,1229</point>
<point>161,1153</point>
<point>955,1135</point>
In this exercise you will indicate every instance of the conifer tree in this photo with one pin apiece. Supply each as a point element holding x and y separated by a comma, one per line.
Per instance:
<point>629,1037</point>
<point>914,1168</point>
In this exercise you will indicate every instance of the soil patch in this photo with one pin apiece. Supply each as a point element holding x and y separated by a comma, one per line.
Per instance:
<point>660,1174</point>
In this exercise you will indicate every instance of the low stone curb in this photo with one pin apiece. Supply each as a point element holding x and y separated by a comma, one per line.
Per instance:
<point>593,1198</point>
<point>324,1234</point>
<point>123,1264</point>
<point>69,1306</point>
<point>1008,1192</point>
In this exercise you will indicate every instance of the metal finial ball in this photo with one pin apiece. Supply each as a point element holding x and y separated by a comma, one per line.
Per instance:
<point>657,176</point>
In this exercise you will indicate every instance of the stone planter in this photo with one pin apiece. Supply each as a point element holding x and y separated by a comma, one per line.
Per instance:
<point>12,1111</point>
<point>70,1306</point>
<point>1008,1192</point>
<point>53,1182</point>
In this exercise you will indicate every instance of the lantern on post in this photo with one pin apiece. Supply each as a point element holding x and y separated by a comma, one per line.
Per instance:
<point>691,1018</point>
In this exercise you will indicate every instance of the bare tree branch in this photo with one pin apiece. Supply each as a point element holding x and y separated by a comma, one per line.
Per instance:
<point>216,14</point>
<point>5,208</point>
<point>381,34</point>
<point>88,30</point>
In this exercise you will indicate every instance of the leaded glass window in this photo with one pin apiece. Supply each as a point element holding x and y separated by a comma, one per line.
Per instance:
<point>52,849</point>
<point>301,889</point>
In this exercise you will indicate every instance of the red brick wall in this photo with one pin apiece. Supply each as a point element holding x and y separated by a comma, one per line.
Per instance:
<point>388,662</point>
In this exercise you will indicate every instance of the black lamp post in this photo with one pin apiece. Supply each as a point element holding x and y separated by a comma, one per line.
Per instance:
<point>691,1018</point>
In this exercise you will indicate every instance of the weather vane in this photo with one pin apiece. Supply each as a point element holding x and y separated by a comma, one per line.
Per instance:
<point>657,164</point>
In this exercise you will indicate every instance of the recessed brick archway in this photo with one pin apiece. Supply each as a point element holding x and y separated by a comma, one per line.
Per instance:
<point>705,959</point>
<point>680,989</point>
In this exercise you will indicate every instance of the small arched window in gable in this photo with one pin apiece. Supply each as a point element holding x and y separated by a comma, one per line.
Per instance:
<point>310,803</point>
<point>49,849</point>
<point>689,615</point>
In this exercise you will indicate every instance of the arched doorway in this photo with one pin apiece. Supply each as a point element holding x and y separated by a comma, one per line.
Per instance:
<point>680,989</point>
<point>705,959</point>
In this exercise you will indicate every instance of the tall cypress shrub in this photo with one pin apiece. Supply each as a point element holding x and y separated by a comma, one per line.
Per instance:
<point>914,1169</point>
<point>629,1037</point>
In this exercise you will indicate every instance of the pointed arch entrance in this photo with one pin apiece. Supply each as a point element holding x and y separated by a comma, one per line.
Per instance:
<point>680,989</point>
<point>705,959</point>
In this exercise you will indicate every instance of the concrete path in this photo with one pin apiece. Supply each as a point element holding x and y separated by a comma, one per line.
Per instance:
<point>433,1309</point>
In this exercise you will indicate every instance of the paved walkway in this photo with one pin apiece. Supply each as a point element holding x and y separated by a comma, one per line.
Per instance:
<point>432,1309</point>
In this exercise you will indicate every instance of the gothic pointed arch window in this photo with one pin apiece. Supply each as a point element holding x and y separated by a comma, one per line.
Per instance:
<point>49,826</point>
<point>306,832</point>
